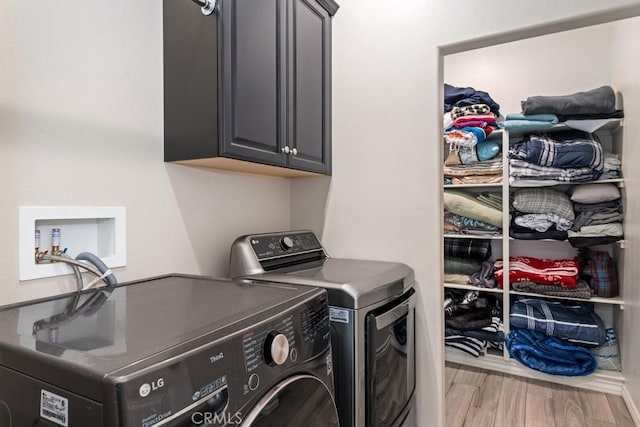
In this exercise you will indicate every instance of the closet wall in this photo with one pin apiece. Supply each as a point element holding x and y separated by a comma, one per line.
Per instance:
<point>626,78</point>
<point>557,64</point>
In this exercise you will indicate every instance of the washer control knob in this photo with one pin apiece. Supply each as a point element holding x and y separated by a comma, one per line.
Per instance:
<point>253,382</point>
<point>286,243</point>
<point>276,349</point>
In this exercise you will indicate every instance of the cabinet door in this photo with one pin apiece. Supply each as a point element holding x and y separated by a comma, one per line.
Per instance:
<point>309,102</point>
<point>253,85</point>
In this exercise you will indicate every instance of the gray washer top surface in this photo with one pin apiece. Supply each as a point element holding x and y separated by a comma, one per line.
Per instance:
<point>350,283</point>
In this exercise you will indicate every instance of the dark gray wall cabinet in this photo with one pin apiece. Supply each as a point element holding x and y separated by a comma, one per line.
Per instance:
<point>249,87</point>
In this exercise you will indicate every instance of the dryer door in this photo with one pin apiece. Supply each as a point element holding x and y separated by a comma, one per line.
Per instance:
<point>300,400</point>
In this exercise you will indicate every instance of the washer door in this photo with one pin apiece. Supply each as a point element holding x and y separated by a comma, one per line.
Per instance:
<point>301,400</point>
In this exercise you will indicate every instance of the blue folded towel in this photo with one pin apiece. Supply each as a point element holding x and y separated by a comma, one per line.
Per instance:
<point>530,122</point>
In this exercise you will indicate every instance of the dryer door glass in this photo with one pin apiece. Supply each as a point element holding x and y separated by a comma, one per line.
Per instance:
<point>301,400</point>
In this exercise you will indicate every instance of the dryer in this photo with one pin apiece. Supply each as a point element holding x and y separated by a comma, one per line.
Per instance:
<point>175,350</point>
<point>372,313</point>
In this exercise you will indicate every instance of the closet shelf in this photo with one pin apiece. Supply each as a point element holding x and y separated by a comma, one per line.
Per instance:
<point>613,301</point>
<point>601,380</point>
<point>472,288</point>
<point>471,236</point>
<point>606,125</point>
<point>536,184</point>
<point>488,185</point>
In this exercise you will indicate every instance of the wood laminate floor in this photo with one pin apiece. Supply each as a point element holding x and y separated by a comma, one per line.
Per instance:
<point>480,398</point>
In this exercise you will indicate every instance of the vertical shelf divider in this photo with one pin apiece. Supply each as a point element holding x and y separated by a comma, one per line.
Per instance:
<point>506,303</point>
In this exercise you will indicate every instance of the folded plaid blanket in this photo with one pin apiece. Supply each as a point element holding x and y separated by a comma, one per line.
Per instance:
<point>569,148</point>
<point>549,354</point>
<point>469,248</point>
<point>521,170</point>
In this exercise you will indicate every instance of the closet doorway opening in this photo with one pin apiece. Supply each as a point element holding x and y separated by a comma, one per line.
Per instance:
<point>558,59</point>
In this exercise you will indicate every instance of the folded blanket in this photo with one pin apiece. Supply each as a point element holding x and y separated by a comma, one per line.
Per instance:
<point>586,241</point>
<point>597,101</point>
<point>521,122</point>
<point>582,289</point>
<point>464,224</point>
<point>550,355</point>
<point>491,167</point>
<point>468,318</point>
<point>481,121</point>
<point>472,346</point>
<point>617,114</point>
<point>521,170</point>
<point>485,277</point>
<point>543,201</point>
<point>564,149</point>
<point>571,321</point>
<point>613,229</point>
<point>479,249</point>
<point>477,179</point>
<point>543,221</point>
<point>545,271</point>
<point>597,213</point>
<point>469,110</point>
<point>464,204</point>
<point>493,200</point>
<point>456,265</point>
<point>464,96</point>
<point>493,333</point>
<point>523,233</point>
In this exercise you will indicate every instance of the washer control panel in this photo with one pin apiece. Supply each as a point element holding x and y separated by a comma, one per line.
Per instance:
<point>228,370</point>
<point>268,246</point>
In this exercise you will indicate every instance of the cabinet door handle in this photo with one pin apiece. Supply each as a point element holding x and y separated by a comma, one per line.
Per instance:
<point>285,149</point>
<point>294,151</point>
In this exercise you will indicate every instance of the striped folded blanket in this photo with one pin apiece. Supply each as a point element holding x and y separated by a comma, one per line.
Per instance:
<point>475,342</point>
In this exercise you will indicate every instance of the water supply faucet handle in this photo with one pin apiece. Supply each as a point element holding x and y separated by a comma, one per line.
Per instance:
<point>206,6</point>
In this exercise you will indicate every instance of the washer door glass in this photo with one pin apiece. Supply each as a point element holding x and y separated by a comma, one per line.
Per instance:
<point>301,400</point>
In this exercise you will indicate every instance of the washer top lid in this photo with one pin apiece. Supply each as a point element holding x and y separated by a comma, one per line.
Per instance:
<point>106,331</point>
<point>350,283</point>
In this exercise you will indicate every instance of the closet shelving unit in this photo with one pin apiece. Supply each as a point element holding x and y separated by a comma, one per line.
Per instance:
<point>610,135</point>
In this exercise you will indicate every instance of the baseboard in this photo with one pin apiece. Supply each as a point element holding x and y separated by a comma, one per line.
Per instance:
<point>631,406</point>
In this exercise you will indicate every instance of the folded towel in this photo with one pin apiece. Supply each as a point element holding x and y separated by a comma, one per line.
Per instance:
<point>522,122</point>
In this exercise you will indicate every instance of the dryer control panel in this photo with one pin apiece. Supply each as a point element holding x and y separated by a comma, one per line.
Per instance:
<point>268,246</point>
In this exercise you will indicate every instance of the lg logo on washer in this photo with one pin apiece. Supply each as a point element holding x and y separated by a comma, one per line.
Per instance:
<point>147,388</point>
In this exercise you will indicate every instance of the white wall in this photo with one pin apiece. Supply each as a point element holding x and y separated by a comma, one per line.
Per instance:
<point>81,105</point>
<point>626,74</point>
<point>383,201</point>
<point>81,124</point>
<point>553,64</point>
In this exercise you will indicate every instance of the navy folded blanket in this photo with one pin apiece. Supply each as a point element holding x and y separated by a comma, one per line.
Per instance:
<point>571,320</point>
<point>549,354</point>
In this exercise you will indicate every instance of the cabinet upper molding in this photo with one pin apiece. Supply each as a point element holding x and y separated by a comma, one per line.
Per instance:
<point>329,5</point>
